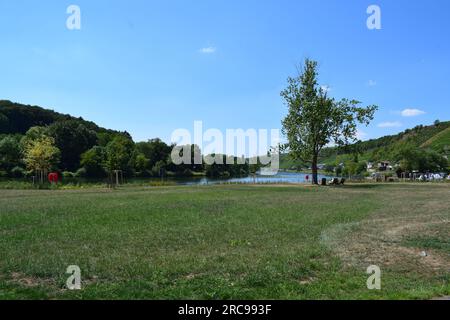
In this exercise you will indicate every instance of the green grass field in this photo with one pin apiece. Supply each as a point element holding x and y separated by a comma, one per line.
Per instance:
<point>226,242</point>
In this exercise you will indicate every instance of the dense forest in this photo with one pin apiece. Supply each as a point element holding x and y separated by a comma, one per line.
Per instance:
<point>33,139</point>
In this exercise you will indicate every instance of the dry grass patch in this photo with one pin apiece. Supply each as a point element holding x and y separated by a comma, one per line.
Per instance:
<point>387,237</point>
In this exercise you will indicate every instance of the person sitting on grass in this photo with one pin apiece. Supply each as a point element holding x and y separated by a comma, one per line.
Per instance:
<point>334,182</point>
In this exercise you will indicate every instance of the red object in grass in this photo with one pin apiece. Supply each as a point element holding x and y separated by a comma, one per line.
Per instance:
<point>53,177</point>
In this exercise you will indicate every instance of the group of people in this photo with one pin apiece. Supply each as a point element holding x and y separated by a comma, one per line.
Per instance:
<point>432,177</point>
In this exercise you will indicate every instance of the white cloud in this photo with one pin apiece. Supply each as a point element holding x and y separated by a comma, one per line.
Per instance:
<point>412,112</point>
<point>388,124</point>
<point>371,83</point>
<point>208,50</point>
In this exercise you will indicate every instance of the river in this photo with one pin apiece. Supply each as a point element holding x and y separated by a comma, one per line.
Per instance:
<point>281,177</point>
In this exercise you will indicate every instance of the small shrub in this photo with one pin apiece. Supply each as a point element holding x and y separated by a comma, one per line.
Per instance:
<point>68,174</point>
<point>81,173</point>
<point>187,173</point>
<point>18,172</point>
<point>15,185</point>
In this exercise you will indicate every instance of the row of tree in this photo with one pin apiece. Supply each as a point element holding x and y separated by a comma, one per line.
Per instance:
<point>70,147</point>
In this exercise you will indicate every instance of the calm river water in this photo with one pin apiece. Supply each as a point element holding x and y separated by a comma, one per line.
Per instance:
<point>281,177</point>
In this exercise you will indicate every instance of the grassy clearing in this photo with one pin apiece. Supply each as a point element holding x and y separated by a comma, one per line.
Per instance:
<point>226,242</point>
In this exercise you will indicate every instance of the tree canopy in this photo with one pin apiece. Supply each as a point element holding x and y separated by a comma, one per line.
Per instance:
<point>72,138</point>
<point>41,155</point>
<point>315,120</point>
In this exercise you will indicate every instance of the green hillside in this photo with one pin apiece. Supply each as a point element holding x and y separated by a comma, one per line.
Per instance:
<point>71,137</point>
<point>34,139</point>
<point>440,142</point>
<point>435,137</point>
<point>16,118</point>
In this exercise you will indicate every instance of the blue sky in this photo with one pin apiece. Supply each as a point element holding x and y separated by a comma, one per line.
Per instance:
<point>150,67</point>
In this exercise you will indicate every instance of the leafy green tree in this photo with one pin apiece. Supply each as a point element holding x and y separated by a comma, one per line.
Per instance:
<point>414,159</point>
<point>217,169</point>
<point>154,150</point>
<point>338,170</point>
<point>315,120</point>
<point>106,136</point>
<point>141,164</point>
<point>73,138</point>
<point>186,168</point>
<point>41,156</point>
<point>93,162</point>
<point>329,168</point>
<point>119,154</point>
<point>354,168</point>
<point>160,168</point>
<point>10,153</point>
<point>230,167</point>
<point>34,133</point>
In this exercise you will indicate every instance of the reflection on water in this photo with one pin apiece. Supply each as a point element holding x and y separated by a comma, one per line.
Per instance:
<point>281,177</point>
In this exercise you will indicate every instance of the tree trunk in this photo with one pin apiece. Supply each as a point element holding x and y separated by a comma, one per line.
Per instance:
<point>315,179</point>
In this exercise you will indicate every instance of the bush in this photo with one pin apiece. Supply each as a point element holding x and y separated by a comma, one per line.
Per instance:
<point>16,185</point>
<point>143,174</point>
<point>29,173</point>
<point>18,172</point>
<point>3,174</point>
<point>68,174</point>
<point>187,173</point>
<point>225,174</point>
<point>81,173</point>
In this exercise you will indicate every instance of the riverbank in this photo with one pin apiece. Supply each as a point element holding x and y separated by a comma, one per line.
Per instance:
<point>78,183</point>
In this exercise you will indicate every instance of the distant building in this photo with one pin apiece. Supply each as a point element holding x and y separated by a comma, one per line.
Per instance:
<point>385,166</point>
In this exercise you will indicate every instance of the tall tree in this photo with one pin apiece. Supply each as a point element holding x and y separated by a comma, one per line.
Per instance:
<point>41,156</point>
<point>10,153</point>
<point>119,154</point>
<point>93,161</point>
<point>73,138</point>
<point>315,120</point>
<point>154,150</point>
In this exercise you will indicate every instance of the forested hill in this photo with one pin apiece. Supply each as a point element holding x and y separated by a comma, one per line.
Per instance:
<point>17,118</point>
<point>434,138</point>
<point>23,126</point>
<point>418,136</point>
<point>35,140</point>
